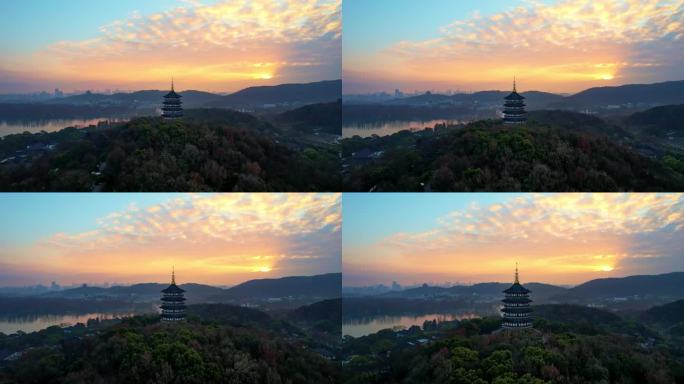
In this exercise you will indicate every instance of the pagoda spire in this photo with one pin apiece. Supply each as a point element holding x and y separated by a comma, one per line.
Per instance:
<point>174,90</point>
<point>173,274</point>
<point>516,273</point>
<point>514,90</point>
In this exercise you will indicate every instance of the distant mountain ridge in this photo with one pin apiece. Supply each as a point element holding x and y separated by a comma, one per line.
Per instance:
<point>669,92</point>
<point>663,93</point>
<point>326,286</point>
<point>304,93</point>
<point>663,285</point>
<point>309,93</point>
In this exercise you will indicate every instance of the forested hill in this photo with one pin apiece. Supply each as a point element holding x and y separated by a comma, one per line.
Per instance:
<point>218,344</point>
<point>569,344</point>
<point>211,150</point>
<point>490,156</point>
<point>660,121</point>
<point>322,117</point>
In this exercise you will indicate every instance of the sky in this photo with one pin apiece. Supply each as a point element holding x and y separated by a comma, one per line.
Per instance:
<point>561,46</point>
<point>219,239</point>
<point>211,45</point>
<point>564,239</point>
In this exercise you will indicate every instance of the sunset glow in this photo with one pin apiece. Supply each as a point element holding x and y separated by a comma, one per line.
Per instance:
<point>221,45</point>
<point>217,239</point>
<point>555,46</point>
<point>557,238</point>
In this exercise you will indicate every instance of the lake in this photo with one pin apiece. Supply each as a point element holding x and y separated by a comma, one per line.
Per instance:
<point>50,125</point>
<point>384,128</point>
<point>9,325</point>
<point>365,326</point>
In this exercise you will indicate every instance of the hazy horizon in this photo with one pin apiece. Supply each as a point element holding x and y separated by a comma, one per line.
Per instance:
<point>106,284</point>
<point>409,285</point>
<point>179,90</point>
<point>455,90</point>
<point>560,46</point>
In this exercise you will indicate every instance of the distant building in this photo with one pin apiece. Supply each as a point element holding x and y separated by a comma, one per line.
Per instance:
<point>516,312</point>
<point>172,108</point>
<point>514,108</point>
<point>173,302</point>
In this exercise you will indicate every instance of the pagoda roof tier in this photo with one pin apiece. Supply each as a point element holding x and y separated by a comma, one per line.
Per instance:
<point>526,309</point>
<point>514,96</point>
<point>173,298</point>
<point>517,288</point>
<point>173,288</point>
<point>516,300</point>
<point>171,306</point>
<point>517,320</point>
<point>172,95</point>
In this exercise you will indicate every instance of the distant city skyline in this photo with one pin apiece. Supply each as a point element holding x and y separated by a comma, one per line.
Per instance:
<point>217,239</point>
<point>560,46</point>
<point>212,45</point>
<point>562,239</point>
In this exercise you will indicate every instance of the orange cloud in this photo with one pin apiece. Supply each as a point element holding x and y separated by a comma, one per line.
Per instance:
<point>223,46</point>
<point>566,46</point>
<point>218,239</point>
<point>558,238</point>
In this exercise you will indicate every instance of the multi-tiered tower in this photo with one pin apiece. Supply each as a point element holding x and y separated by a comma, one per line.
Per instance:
<point>173,301</point>
<point>516,311</point>
<point>172,108</point>
<point>514,108</point>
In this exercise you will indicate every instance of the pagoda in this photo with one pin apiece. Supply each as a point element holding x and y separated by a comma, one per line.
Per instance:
<point>173,302</point>
<point>514,108</point>
<point>172,107</point>
<point>516,306</point>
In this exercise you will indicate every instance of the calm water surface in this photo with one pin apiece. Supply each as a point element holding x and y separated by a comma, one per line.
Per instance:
<point>365,326</point>
<point>384,128</point>
<point>50,125</point>
<point>34,323</point>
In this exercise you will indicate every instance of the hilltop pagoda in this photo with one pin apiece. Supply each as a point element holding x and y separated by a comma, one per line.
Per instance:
<point>516,311</point>
<point>173,302</point>
<point>172,108</point>
<point>514,108</point>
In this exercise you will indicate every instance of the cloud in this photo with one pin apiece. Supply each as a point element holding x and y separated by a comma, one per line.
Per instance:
<point>227,44</point>
<point>220,238</point>
<point>563,238</point>
<point>567,45</point>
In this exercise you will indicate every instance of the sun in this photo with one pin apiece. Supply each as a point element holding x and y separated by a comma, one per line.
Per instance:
<point>263,269</point>
<point>262,76</point>
<point>605,76</point>
<point>604,268</point>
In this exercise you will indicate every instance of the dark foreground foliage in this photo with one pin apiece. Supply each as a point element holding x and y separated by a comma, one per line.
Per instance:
<point>211,150</point>
<point>143,350</point>
<point>468,352</point>
<point>490,156</point>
